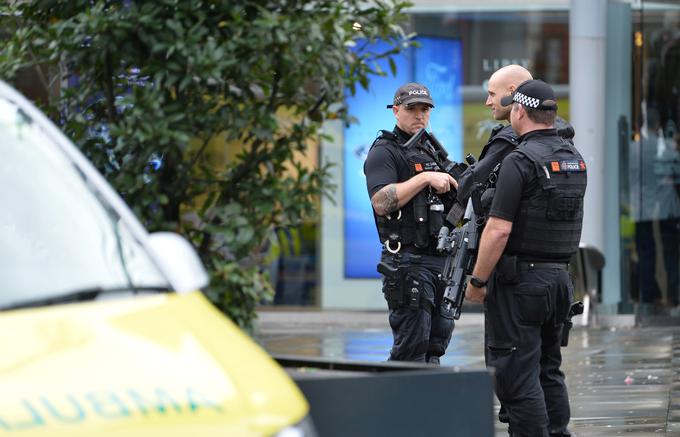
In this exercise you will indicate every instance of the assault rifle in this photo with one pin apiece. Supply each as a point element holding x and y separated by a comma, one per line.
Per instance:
<point>427,142</point>
<point>461,245</point>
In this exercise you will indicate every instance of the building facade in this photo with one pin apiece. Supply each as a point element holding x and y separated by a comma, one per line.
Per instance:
<point>614,66</point>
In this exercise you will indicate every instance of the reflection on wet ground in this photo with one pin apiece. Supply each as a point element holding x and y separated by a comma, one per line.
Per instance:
<point>622,381</point>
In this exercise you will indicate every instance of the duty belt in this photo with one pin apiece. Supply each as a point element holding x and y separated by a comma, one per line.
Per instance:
<point>526,265</point>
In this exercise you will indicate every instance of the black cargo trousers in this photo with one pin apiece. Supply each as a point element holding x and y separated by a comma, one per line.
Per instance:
<point>421,333</point>
<point>525,315</point>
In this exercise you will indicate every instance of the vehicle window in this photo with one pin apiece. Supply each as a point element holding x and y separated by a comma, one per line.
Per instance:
<point>57,234</point>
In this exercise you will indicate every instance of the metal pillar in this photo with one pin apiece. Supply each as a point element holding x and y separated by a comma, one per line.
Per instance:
<point>616,289</point>
<point>587,59</point>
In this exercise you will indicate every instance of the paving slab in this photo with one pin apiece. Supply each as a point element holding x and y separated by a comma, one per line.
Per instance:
<point>621,380</point>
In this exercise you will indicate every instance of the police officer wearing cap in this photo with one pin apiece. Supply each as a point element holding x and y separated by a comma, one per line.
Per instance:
<point>533,229</point>
<point>406,189</point>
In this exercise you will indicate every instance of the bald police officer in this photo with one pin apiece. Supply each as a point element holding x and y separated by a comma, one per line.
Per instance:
<point>503,138</point>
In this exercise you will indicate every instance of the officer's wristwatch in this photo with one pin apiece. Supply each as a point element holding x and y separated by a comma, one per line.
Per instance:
<point>477,283</point>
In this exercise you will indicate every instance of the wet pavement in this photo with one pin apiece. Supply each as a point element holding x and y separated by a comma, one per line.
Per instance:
<point>622,381</point>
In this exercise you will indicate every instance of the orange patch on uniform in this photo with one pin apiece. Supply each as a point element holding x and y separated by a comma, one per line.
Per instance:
<point>555,166</point>
<point>419,167</point>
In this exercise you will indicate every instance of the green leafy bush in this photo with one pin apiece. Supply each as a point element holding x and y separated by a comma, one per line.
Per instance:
<point>226,96</point>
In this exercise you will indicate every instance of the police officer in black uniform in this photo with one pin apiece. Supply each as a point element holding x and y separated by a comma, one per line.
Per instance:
<point>534,228</point>
<point>408,192</point>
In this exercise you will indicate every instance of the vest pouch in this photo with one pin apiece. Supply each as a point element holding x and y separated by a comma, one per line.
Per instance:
<point>420,214</point>
<point>436,218</point>
<point>564,205</point>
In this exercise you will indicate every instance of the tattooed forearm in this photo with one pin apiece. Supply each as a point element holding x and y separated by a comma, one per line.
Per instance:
<point>385,201</point>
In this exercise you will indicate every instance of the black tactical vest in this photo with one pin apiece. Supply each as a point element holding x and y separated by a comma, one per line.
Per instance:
<point>503,132</point>
<point>415,223</point>
<point>548,223</point>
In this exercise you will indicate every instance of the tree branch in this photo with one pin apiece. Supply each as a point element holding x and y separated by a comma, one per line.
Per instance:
<point>198,154</point>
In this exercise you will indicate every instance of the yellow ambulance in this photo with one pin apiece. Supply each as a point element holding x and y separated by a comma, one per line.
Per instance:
<point>103,328</point>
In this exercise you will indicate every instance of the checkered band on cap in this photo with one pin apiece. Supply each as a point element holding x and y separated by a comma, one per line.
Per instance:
<point>526,100</point>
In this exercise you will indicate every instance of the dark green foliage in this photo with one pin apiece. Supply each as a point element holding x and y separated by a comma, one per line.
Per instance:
<point>191,80</point>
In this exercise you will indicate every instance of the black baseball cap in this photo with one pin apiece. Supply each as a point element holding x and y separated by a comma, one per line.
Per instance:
<point>412,93</point>
<point>534,94</point>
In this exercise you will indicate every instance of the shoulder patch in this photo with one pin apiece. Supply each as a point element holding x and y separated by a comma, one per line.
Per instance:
<point>567,166</point>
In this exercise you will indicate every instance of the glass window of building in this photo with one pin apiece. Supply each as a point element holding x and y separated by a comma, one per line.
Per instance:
<point>651,193</point>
